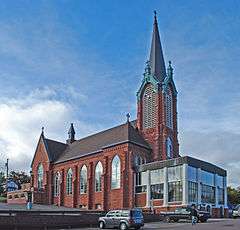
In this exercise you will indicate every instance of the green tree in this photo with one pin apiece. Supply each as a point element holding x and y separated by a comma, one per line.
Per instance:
<point>19,177</point>
<point>233,195</point>
<point>2,182</point>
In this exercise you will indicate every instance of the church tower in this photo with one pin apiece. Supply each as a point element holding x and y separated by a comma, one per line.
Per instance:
<point>157,103</point>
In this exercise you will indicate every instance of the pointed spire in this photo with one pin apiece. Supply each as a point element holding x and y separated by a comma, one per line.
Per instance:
<point>42,133</point>
<point>170,69</point>
<point>156,55</point>
<point>71,134</point>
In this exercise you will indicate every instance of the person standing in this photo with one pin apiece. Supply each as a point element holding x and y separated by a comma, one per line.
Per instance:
<point>194,214</point>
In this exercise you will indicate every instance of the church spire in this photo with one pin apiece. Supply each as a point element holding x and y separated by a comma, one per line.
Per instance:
<point>156,55</point>
<point>71,134</point>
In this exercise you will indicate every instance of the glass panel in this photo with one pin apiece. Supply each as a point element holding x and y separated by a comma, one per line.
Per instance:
<point>157,191</point>
<point>98,176</point>
<point>207,178</point>
<point>208,194</point>
<point>220,181</point>
<point>175,173</point>
<point>83,179</point>
<point>192,191</point>
<point>192,173</point>
<point>116,172</point>
<point>175,191</point>
<point>140,188</point>
<point>157,176</point>
<point>220,196</point>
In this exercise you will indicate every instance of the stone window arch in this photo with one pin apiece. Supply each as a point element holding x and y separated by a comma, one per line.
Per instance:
<point>69,181</point>
<point>98,176</point>
<point>83,180</point>
<point>40,174</point>
<point>116,172</point>
<point>57,178</point>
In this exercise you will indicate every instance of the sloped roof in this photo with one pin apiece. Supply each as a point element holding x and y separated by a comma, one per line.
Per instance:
<point>54,149</point>
<point>97,142</point>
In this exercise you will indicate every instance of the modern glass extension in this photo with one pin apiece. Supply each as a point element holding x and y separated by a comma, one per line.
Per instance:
<point>183,181</point>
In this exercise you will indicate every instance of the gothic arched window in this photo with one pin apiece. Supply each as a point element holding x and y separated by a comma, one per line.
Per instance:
<point>116,172</point>
<point>169,108</point>
<point>40,176</point>
<point>57,178</point>
<point>83,179</point>
<point>169,148</point>
<point>69,182</point>
<point>149,107</point>
<point>98,175</point>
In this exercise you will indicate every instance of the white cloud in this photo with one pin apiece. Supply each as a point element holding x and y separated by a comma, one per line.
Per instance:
<point>21,120</point>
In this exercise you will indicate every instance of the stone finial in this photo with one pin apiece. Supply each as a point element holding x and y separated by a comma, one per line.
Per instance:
<point>128,117</point>
<point>170,69</point>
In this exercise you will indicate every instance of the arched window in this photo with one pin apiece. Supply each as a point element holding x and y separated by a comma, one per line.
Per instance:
<point>57,178</point>
<point>69,182</point>
<point>83,179</point>
<point>116,172</point>
<point>149,107</point>
<point>40,176</point>
<point>138,160</point>
<point>169,148</point>
<point>168,108</point>
<point>98,175</point>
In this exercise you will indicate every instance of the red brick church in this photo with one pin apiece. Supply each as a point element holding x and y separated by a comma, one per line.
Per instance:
<point>135,164</point>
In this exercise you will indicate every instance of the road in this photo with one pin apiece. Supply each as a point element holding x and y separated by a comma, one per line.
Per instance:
<point>212,224</point>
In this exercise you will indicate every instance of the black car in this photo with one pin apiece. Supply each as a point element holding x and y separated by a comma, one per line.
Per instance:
<point>122,219</point>
<point>183,214</point>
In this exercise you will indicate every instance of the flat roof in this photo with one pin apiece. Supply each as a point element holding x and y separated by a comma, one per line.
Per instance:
<point>206,166</point>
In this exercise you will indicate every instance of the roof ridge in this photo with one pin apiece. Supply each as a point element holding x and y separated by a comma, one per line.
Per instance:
<point>47,139</point>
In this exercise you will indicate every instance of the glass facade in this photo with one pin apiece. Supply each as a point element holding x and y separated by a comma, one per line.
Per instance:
<point>174,191</point>
<point>175,173</point>
<point>207,178</point>
<point>192,192</point>
<point>220,196</point>
<point>208,194</point>
<point>192,173</point>
<point>157,176</point>
<point>157,191</point>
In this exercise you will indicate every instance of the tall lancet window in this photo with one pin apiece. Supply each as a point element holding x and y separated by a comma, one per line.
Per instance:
<point>169,108</point>
<point>149,107</point>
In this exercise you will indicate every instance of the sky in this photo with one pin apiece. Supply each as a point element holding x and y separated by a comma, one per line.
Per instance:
<point>64,61</point>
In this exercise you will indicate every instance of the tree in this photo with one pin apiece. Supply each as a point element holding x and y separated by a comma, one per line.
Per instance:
<point>233,195</point>
<point>2,183</point>
<point>19,177</point>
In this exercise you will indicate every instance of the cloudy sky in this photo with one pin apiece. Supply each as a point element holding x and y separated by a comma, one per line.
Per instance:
<point>79,61</point>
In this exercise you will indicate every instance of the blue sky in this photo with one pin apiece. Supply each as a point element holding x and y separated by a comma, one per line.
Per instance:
<point>82,62</point>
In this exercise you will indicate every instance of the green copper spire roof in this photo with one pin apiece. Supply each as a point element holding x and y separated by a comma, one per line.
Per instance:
<point>157,63</point>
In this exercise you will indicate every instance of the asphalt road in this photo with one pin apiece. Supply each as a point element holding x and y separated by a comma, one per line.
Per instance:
<point>212,224</point>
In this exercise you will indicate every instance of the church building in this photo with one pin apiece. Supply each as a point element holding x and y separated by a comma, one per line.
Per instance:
<point>135,164</point>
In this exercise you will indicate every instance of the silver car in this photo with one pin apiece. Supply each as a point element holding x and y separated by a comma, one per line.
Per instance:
<point>122,219</point>
<point>236,211</point>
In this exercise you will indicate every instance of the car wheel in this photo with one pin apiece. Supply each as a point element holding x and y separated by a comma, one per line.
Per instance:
<point>167,219</point>
<point>101,225</point>
<point>136,228</point>
<point>123,226</point>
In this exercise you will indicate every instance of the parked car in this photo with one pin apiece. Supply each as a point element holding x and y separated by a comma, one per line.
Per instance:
<point>122,219</point>
<point>183,214</point>
<point>236,211</point>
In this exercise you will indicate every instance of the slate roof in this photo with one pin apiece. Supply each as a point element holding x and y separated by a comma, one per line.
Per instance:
<point>125,133</point>
<point>54,149</point>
